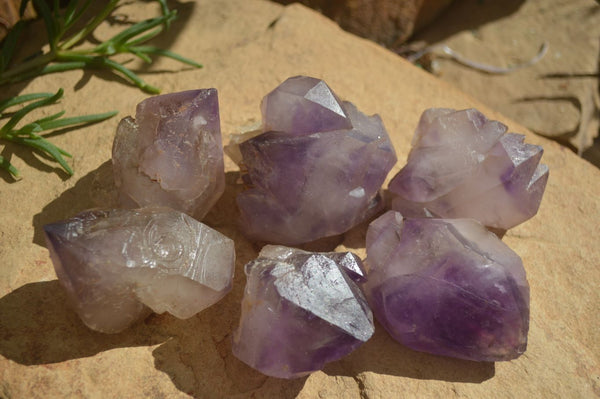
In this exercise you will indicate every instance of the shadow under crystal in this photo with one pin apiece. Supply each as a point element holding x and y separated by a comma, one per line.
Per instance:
<point>383,355</point>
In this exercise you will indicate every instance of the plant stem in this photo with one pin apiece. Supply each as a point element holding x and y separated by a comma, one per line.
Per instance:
<point>12,75</point>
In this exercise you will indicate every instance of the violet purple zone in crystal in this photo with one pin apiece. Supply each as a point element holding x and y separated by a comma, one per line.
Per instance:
<point>463,165</point>
<point>119,265</point>
<point>301,310</point>
<point>171,154</point>
<point>447,287</point>
<point>317,168</point>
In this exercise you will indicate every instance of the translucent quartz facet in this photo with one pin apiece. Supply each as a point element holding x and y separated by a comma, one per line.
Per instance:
<point>316,169</point>
<point>117,265</point>
<point>171,154</point>
<point>301,310</point>
<point>463,165</point>
<point>448,287</point>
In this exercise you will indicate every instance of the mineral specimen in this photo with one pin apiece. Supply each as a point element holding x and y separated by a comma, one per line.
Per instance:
<point>117,265</point>
<point>464,166</point>
<point>316,169</point>
<point>171,154</point>
<point>300,310</point>
<point>448,287</point>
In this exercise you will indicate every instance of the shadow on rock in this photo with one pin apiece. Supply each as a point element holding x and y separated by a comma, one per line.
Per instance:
<point>382,355</point>
<point>168,37</point>
<point>198,357</point>
<point>39,328</point>
<point>94,190</point>
<point>200,363</point>
<point>467,15</point>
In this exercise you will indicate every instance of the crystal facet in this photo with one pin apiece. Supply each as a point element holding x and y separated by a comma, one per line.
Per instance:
<point>448,287</point>
<point>171,154</point>
<point>316,169</point>
<point>117,265</point>
<point>463,165</point>
<point>300,310</point>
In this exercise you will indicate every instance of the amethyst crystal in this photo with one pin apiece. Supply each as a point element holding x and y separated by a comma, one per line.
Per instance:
<point>301,310</point>
<point>171,154</point>
<point>317,168</point>
<point>464,166</point>
<point>117,265</point>
<point>448,287</point>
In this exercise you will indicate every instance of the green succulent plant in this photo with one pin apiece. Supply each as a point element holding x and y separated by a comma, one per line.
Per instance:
<point>63,55</point>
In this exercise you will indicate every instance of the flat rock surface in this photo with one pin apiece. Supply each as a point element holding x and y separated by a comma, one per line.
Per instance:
<point>248,47</point>
<point>559,96</point>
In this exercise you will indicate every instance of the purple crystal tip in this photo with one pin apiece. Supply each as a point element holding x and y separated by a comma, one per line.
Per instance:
<point>300,310</point>
<point>316,169</point>
<point>447,287</point>
<point>463,165</point>
<point>119,265</point>
<point>171,154</point>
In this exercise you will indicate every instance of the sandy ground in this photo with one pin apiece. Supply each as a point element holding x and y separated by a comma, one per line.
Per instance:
<point>559,96</point>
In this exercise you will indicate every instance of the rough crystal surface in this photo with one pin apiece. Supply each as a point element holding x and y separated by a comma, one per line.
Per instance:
<point>117,265</point>
<point>316,169</point>
<point>448,287</point>
<point>171,153</point>
<point>300,310</point>
<point>463,165</point>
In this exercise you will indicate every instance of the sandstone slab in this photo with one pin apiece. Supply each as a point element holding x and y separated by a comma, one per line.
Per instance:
<point>248,47</point>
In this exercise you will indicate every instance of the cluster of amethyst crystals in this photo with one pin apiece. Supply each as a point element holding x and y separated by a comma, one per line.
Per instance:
<point>463,165</point>
<point>447,287</point>
<point>301,310</point>
<point>444,286</point>
<point>171,153</point>
<point>316,169</point>
<point>117,266</point>
<point>438,281</point>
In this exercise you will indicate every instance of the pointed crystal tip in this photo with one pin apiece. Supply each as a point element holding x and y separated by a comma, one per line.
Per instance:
<point>463,165</point>
<point>300,310</point>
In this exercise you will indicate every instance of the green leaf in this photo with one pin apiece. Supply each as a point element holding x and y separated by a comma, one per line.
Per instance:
<point>45,146</point>
<point>75,120</point>
<point>22,99</point>
<point>70,14</point>
<point>141,55</point>
<point>166,53</point>
<point>145,38</point>
<point>23,7</point>
<point>51,117</point>
<point>49,21</point>
<point>139,82</point>
<point>28,135</point>
<point>63,66</point>
<point>4,164</point>
<point>90,26</point>
<point>20,114</point>
<point>9,45</point>
<point>137,29</point>
<point>165,10</point>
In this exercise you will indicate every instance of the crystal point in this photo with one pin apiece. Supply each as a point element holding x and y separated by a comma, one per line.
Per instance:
<point>316,169</point>
<point>171,154</point>
<point>303,105</point>
<point>300,310</point>
<point>447,287</point>
<point>463,165</point>
<point>119,265</point>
